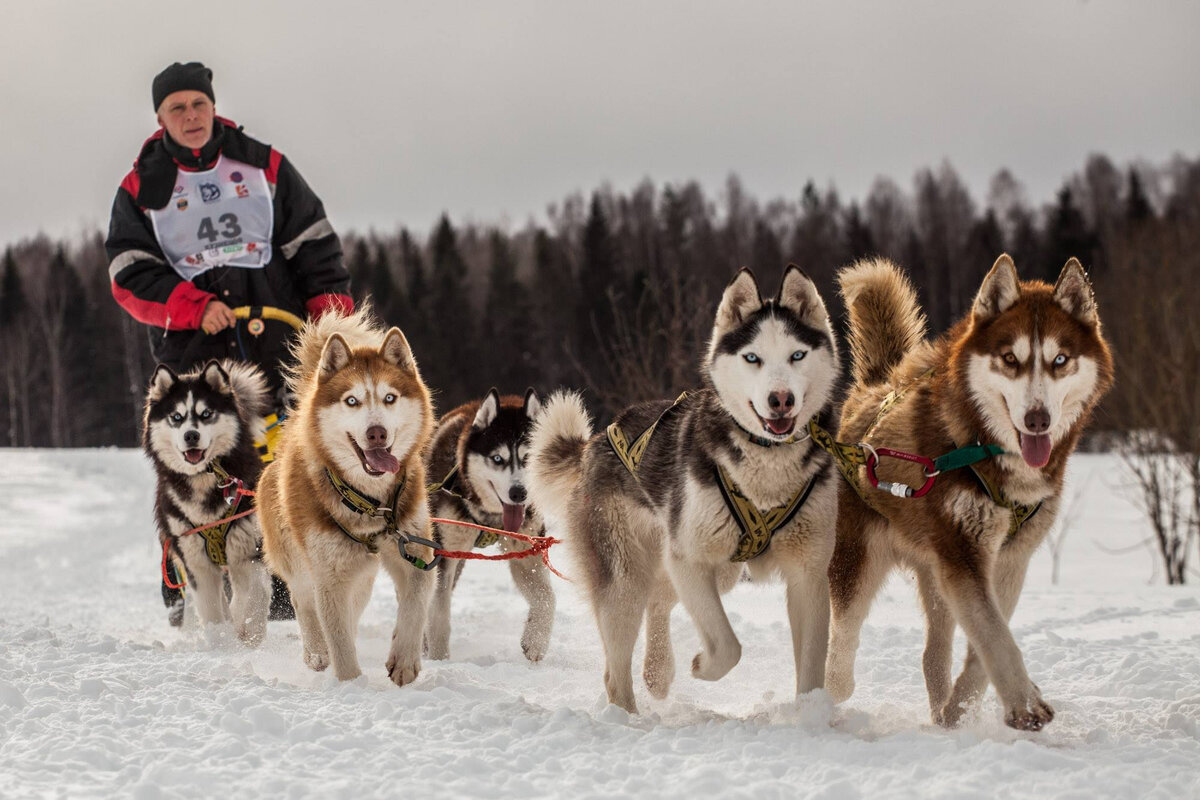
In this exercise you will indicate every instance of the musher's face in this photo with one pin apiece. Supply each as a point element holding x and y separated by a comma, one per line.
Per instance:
<point>188,118</point>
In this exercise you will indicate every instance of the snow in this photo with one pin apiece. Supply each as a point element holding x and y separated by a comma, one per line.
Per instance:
<point>99,697</point>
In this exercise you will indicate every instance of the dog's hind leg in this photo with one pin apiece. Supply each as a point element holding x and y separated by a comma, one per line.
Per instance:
<point>619,607</point>
<point>857,570</point>
<point>939,642</point>
<point>659,668</point>
<point>808,614</point>
<point>437,633</point>
<point>533,581</point>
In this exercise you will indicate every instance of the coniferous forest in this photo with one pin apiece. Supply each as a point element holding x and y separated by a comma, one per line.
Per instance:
<point>615,292</point>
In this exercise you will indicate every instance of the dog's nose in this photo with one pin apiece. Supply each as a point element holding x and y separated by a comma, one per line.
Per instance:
<point>376,436</point>
<point>191,438</point>
<point>1037,420</point>
<point>781,401</point>
<point>517,494</point>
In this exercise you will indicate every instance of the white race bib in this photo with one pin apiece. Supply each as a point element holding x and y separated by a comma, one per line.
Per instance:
<point>222,217</point>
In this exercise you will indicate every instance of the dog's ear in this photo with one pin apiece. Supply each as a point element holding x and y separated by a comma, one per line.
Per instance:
<point>335,355</point>
<point>1073,291</point>
<point>395,350</point>
<point>798,293</point>
<point>488,409</point>
<point>740,300</point>
<point>216,377</point>
<point>533,403</point>
<point>161,382</point>
<point>999,290</point>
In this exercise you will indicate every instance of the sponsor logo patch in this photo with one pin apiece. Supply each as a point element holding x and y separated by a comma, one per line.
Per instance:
<point>210,192</point>
<point>242,191</point>
<point>235,176</point>
<point>179,189</point>
<point>181,204</point>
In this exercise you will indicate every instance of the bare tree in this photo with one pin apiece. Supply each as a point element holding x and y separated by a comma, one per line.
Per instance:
<point>1152,296</point>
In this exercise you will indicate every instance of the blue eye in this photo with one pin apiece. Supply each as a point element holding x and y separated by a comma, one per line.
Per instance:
<point>389,399</point>
<point>751,358</point>
<point>351,401</point>
<point>799,355</point>
<point>497,460</point>
<point>177,417</point>
<point>206,414</point>
<point>1061,359</point>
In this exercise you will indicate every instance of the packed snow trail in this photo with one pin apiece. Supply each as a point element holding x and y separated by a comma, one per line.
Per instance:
<point>100,698</point>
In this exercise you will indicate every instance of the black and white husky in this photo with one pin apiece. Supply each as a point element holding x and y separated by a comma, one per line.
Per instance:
<point>479,454</point>
<point>675,500</point>
<point>199,430</point>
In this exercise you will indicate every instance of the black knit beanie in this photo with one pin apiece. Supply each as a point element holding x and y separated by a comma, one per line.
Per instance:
<point>193,76</point>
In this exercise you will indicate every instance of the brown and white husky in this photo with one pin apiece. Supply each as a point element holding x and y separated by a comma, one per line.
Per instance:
<point>1023,370</point>
<point>346,492</point>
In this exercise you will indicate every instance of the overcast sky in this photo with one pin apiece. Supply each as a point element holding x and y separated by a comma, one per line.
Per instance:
<point>492,110</point>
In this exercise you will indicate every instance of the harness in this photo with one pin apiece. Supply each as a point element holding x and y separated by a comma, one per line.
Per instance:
<point>849,457</point>
<point>214,535</point>
<point>757,527</point>
<point>366,505</point>
<point>449,485</point>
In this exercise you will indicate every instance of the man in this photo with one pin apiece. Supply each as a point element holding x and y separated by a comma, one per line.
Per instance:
<point>210,219</point>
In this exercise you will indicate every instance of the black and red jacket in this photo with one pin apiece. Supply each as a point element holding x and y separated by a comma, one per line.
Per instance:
<point>304,276</point>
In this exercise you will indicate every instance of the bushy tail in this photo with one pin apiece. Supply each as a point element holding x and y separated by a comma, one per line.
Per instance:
<point>556,444</point>
<point>885,320</point>
<point>359,329</point>
<point>250,389</point>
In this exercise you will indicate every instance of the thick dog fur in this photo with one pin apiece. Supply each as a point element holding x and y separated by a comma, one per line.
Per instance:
<point>211,414</point>
<point>363,412</point>
<point>487,440</point>
<point>639,543</point>
<point>1029,359</point>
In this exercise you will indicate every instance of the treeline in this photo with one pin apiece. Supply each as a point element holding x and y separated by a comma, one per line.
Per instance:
<point>615,293</point>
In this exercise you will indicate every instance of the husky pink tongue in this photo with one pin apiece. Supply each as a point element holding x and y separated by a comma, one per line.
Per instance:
<point>514,516</point>
<point>780,426</point>
<point>1035,449</point>
<point>380,460</point>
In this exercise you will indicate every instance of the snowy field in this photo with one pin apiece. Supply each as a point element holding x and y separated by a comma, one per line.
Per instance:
<point>100,698</point>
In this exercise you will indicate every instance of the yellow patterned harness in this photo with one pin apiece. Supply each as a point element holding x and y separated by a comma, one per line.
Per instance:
<point>757,527</point>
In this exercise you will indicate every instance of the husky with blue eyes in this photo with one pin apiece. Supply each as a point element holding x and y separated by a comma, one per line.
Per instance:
<point>675,501</point>
<point>199,431</point>
<point>478,458</point>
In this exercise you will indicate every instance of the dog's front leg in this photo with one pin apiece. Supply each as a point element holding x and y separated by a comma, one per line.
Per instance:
<point>966,587</point>
<point>335,591</point>
<point>251,599</point>
<point>414,590</point>
<point>533,581</point>
<point>696,584</point>
<point>437,633</point>
<point>208,591</point>
<point>808,614</point>
<point>939,642</point>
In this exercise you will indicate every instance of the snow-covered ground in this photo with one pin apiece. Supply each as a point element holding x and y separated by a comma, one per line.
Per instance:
<point>100,698</point>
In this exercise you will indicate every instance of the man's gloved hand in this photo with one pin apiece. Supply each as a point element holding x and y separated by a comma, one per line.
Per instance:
<point>217,317</point>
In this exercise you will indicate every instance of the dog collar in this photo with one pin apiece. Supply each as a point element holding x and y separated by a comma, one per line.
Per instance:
<point>366,505</point>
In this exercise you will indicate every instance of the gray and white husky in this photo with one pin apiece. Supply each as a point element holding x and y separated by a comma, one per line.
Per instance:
<point>646,527</point>
<point>196,426</point>
<point>479,455</point>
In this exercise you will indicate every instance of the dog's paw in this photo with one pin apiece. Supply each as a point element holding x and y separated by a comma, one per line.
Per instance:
<point>317,662</point>
<point>535,641</point>
<point>839,684</point>
<point>1034,716</point>
<point>712,666</point>
<point>251,635</point>
<point>658,678</point>
<point>403,670</point>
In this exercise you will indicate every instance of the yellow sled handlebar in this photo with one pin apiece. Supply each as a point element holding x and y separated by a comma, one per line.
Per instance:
<point>268,312</point>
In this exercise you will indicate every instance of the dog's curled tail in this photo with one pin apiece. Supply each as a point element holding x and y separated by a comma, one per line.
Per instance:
<point>251,391</point>
<point>556,444</point>
<point>359,328</point>
<point>885,320</point>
